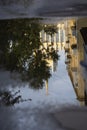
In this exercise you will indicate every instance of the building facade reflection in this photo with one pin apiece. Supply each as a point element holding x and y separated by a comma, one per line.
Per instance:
<point>74,56</point>
<point>55,41</point>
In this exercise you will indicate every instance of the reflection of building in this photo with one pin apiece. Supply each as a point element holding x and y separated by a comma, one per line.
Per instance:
<point>46,85</point>
<point>53,66</point>
<point>58,38</point>
<point>82,55</point>
<point>75,55</point>
<point>68,35</point>
<point>71,49</point>
<point>56,41</point>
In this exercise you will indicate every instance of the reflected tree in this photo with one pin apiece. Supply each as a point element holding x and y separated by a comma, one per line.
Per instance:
<point>23,35</point>
<point>9,99</point>
<point>50,29</point>
<point>38,70</point>
<point>20,50</point>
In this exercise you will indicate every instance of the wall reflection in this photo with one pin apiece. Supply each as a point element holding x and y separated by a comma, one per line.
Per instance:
<point>76,57</point>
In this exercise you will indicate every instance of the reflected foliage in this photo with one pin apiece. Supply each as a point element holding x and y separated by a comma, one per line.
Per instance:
<point>9,99</point>
<point>21,50</point>
<point>50,29</point>
<point>38,70</point>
